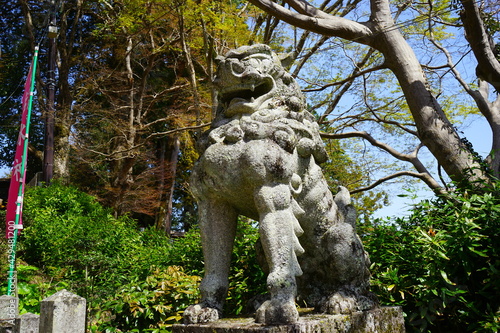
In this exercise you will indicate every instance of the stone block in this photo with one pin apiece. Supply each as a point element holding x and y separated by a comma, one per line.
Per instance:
<point>28,323</point>
<point>379,320</point>
<point>8,313</point>
<point>8,307</point>
<point>63,312</point>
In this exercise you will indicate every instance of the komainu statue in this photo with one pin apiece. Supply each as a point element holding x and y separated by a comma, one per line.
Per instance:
<point>260,159</point>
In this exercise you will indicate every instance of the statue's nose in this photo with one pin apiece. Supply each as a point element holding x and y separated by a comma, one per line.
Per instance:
<point>250,74</point>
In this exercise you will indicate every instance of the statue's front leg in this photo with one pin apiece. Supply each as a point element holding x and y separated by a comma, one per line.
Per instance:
<point>278,233</point>
<point>217,222</point>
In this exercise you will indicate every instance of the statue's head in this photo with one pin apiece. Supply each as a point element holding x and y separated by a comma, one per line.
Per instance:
<point>252,78</point>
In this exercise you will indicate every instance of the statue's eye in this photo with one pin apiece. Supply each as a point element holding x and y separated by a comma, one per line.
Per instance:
<point>237,67</point>
<point>252,62</point>
<point>266,65</point>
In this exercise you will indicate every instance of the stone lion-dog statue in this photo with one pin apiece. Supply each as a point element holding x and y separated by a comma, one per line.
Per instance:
<point>260,159</point>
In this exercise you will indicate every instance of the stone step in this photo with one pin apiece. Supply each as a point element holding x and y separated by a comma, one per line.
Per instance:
<point>379,320</point>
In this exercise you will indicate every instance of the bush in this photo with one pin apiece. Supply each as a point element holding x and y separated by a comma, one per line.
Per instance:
<point>246,278</point>
<point>150,305</point>
<point>32,287</point>
<point>155,302</point>
<point>442,264</point>
<point>70,235</point>
<point>72,238</point>
<point>129,277</point>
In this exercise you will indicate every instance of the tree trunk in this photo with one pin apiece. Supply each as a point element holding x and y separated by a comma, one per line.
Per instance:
<point>434,129</point>
<point>481,44</point>
<point>169,155</point>
<point>488,71</point>
<point>191,70</point>
<point>122,183</point>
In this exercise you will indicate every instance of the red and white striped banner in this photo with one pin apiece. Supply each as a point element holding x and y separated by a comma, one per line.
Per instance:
<point>15,199</point>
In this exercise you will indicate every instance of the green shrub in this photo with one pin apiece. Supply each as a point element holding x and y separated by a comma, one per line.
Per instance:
<point>187,252</point>
<point>442,264</point>
<point>69,234</point>
<point>81,246</point>
<point>246,278</point>
<point>148,305</point>
<point>32,287</point>
<point>154,302</point>
<point>72,238</point>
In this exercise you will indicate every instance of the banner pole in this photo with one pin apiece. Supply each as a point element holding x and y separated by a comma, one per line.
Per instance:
<point>11,285</point>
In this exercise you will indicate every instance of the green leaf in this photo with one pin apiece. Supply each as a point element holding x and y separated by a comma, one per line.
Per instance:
<point>445,277</point>
<point>442,255</point>
<point>479,253</point>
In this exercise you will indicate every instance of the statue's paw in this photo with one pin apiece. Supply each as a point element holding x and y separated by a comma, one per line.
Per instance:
<point>274,312</point>
<point>368,302</point>
<point>338,304</point>
<point>199,314</point>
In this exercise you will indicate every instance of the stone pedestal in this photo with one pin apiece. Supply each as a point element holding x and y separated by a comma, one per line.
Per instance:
<point>8,313</point>
<point>62,312</point>
<point>28,323</point>
<point>380,320</point>
<point>8,307</point>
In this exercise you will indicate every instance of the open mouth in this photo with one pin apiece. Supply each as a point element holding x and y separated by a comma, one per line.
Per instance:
<point>246,93</point>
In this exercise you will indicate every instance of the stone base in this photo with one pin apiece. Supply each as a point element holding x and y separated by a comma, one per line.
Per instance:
<point>380,320</point>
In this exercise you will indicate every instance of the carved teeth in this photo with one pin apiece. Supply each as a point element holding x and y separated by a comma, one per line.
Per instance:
<point>252,87</point>
<point>252,100</point>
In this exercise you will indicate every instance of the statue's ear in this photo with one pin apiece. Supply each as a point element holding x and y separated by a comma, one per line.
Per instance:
<point>287,59</point>
<point>218,60</point>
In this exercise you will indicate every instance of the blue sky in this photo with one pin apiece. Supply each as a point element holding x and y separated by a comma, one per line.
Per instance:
<point>477,131</point>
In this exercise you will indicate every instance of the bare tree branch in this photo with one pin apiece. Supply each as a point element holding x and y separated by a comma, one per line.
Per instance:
<point>188,128</point>
<point>303,7</point>
<point>369,138</point>
<point>380,120</point>
<point>355,74</point>
<point>309,53</point>
<point>325,24</point>
<point>119,153</point>
<point>422,176</point>
<point>412,158</point>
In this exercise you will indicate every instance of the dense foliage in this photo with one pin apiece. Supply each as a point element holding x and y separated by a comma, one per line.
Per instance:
<point>133,280</point>
<point>147,305</point>
<point>442,264</point>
